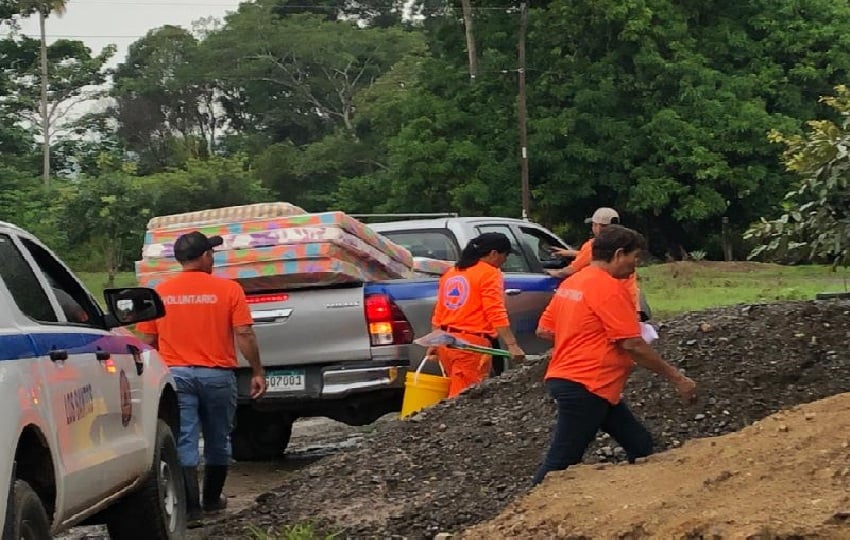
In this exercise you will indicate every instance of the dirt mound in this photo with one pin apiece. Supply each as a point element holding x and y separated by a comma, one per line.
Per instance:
<point>461,462</point>
<point>785,476</point>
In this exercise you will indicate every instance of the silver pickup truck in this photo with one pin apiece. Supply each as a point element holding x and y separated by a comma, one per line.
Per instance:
<point>342,352</point>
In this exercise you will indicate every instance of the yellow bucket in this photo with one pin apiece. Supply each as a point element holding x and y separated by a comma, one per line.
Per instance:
<point>422,390</point>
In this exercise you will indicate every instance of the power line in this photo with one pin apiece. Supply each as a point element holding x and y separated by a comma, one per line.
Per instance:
<point>206,4</point>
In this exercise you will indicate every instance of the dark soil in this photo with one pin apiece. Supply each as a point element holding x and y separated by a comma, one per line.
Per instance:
<point>461,462</point>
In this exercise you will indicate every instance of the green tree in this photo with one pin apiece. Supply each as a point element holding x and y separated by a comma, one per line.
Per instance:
<point>76,77</point>
<point>105,217</point>
<point>295,77</point>
<point>815,224</point>
<point>166,111</point>
<point>212,183</point>
<point>44,8</point>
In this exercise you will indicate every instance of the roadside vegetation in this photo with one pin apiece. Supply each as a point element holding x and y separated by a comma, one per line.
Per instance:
<point>673,288</point>
<point>302,531</point>
<point>351,106</point>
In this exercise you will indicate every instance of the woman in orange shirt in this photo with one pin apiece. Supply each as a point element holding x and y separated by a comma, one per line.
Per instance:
<point>471,305</point>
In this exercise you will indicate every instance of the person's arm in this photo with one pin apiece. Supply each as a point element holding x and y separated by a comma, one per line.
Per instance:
<point>493,303</point>
<point>246,340</point>
<point>564,253</point>
<point>546,325</point>
<point>150,339</point>
<point>646,357</point>
<point>507,337</point>
<point>582,260</point>
<point>148,333</point>
<point>563,273</point>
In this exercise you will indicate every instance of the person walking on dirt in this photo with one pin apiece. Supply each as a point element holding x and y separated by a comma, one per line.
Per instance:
<point>204,315</point>
<point>471,305</point>
<point>597,340</point>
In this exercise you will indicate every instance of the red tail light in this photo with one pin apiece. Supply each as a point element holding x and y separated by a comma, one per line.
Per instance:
<point>386,321</point>
<point>267,298</point>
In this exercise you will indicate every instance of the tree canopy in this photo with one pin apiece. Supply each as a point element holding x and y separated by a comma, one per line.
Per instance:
<point>659,108</point>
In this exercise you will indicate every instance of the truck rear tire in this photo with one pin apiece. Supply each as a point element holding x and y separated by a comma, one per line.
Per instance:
<point>31,521</point>
<point>158,508</point>
<point>260,435</point>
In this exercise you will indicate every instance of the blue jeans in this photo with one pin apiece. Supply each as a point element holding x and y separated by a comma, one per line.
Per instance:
<point>581,414</point>
<point>207,400</point>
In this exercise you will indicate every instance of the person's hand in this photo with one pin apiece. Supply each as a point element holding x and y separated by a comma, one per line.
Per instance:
<point>258,385</point>
<point>431,354</point>
<point>517,354</point>
<point>555,273</point>
<point>686,388</point>
<point>563,252</point>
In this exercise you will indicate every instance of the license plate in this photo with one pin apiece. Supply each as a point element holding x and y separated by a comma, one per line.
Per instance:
<point>285,381</point>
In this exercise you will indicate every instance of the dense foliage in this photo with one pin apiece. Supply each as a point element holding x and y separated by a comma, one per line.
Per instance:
<point>659,108</point>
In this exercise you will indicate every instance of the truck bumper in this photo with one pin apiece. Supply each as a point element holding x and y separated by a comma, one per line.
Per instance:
<point>339,382</point>
<point>329,382</point>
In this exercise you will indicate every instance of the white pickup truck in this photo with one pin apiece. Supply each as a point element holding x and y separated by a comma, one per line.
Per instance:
<point>90,413</point>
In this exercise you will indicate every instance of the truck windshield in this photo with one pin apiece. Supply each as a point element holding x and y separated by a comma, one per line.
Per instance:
<point>431,244</point>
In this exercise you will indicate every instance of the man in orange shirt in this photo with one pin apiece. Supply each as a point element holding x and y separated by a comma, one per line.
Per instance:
<point>597,340</point>
<point>471,305</point>
<point>204,314</point>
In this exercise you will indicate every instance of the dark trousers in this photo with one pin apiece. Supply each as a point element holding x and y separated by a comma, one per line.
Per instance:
<point>581,414</point>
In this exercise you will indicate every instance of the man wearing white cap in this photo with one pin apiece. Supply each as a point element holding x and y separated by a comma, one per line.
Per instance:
<point>601,218</point>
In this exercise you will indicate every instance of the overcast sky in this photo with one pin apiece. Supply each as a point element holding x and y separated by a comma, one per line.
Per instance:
<point>101,22</point>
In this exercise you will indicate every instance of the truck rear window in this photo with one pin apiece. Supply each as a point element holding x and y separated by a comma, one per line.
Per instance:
<point>431,244</point>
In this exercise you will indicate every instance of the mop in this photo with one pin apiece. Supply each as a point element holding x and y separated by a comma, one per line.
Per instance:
<point>439,338</point>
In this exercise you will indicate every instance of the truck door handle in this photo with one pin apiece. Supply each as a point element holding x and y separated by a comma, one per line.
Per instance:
<point>513,292</point>
<point>102,355</point>
<point>58,355</point>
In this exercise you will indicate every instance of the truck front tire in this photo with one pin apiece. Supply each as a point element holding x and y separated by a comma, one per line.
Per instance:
<point>260,435</point>
<point>158,508</point>
<point>31,521</point>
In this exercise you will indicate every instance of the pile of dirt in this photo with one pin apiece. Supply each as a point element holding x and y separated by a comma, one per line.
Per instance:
<point>460,463</point>
<point>785,476</point>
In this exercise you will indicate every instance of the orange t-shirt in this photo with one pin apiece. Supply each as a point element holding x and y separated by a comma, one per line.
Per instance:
<point>583,260</point>
<point>472,300</point>
<point>589,313</point>
<point>584,256</point>
<point>201,312</point>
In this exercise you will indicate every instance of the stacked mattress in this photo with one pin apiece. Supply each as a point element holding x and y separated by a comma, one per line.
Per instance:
<point>277,246</point>
<point>426,267</point>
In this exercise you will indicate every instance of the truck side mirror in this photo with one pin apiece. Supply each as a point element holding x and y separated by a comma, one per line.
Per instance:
<point>132,305</point>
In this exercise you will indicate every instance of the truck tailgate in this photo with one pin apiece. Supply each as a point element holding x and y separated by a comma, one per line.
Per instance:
<point>310,326</point>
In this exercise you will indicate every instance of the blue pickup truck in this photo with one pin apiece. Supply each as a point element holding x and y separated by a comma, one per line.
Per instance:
<point>342,351</point>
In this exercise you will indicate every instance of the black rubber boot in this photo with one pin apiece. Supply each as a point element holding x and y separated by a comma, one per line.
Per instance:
<point>214,477</point>
<point>194,515</point>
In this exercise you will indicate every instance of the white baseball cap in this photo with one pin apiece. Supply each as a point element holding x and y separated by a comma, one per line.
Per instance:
<point>604,216</point>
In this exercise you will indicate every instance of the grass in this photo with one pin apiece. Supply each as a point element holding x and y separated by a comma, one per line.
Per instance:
<point>95,282</point>
<point>681,286</point>
<point>304,531</point>
<point>686,286</point>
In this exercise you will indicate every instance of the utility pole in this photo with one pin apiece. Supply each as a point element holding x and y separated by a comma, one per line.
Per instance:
<point>521,113</point>
<point>45,117</point>
<point>470,39</point>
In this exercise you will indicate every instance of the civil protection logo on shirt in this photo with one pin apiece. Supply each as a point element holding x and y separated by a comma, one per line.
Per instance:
<point>457,292</point>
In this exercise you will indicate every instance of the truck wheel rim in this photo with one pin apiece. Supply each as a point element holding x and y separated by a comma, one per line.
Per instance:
<point>169,493</point>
